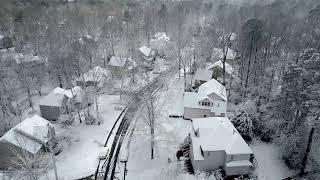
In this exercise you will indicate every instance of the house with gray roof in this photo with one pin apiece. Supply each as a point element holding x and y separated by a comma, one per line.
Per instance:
<point>209,101</point>
<point>216,143</point>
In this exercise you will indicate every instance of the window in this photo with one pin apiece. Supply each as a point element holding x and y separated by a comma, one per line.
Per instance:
<point>201,151</point>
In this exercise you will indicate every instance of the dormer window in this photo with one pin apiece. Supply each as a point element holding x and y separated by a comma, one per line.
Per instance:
<point>205,103</point>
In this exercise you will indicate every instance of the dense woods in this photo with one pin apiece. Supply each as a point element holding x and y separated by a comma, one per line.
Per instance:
<point>277,84</point>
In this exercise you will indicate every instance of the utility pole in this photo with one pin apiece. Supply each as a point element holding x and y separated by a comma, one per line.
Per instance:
<point>125,170</point>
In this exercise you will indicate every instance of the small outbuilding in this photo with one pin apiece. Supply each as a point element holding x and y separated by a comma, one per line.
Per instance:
<point>30,137</point>
<point>57,102</point>
<point>94,77</point>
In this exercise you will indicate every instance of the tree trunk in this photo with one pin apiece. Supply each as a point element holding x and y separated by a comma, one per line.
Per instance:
<point>248,70</point>
<point>304,160</point>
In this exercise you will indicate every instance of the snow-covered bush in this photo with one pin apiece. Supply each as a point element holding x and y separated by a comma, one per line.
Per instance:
<point>90,120</point>
<point>292,148</point>
<point>243,123</point>
<point>66,119</point>
<point>218,174</point>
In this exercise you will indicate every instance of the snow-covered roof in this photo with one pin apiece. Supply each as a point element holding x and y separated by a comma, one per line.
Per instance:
<point>191,100</point>
<point>203,74</point>
<point>218,133</point>
<point>217,53</point>
<point>233,36</point>
<point>27,58</point>
<point>85,39</point>
<point>240,163</point>
<point>146,51</point>
<point>117,61</point>
<point>77,92</point>
<point>55,97</point>
<point>29,135</point>
<point>59,90</point>
<point>96,74</point>
<point>210,87</point>
<point>219,64</point>
<point>161,35</point>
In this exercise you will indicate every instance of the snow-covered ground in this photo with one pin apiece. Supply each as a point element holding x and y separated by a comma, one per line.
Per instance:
<point>80,157</point>
<point>270,165</point>
<point>170,132</point>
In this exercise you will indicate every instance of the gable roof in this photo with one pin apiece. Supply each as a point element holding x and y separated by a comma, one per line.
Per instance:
<point>55,97</point>
<point>96,74</point>
<point>161,36</point>
<point>212,86</point>
<point>117,61</point>
<point>219,64</point>
<point>218,133</point>
<point>217,53</point>
<point>191,100</point>
<point>146,51</point>
<point>30,134</point>
<point>203,75</point>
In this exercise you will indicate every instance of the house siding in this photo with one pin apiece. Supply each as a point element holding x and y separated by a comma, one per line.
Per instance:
<point>212,161</point>
<point>50,113</point>
<point>190,113</point>
<point>238,170</point>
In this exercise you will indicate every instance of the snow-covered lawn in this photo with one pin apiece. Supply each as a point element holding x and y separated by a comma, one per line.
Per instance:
<point>170,132</point>
<point>80,157</point>
<point>270,165</point>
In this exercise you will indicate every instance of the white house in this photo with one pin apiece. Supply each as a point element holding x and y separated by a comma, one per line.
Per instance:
<point>147,53</point>
<point>201,76</point>
<point>30,136</point>
<point>215,143</point>
<point>94,77</point>
<point>209,101</point>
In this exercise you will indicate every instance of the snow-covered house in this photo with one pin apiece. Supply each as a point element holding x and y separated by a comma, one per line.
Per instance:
<point>209,101</point>
<point>217,54</point>
<point>57,102</point>
<point>147,53</point>
<point>201,76</point>
<point>29,137</point>
<point>94,77</point>
<point>118,65</point>
<point>161,35</point>
<point>217,69</point>
<point>215,143</point>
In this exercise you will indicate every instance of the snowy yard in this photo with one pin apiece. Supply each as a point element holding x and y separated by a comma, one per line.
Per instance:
<point>270,164</point>
<point>79,157</point>
<point>170,132</point>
